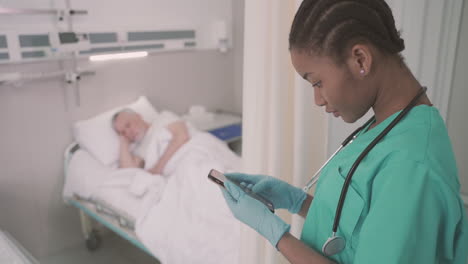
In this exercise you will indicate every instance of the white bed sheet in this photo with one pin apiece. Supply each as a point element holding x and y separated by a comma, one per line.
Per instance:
<point>181,217</point>
<point>194,223</point>
<point>131,192</point>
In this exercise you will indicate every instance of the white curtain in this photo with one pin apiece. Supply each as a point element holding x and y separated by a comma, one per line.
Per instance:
<point>283,132</point>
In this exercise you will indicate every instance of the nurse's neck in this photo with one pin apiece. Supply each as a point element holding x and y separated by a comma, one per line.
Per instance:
<point>397,87</point>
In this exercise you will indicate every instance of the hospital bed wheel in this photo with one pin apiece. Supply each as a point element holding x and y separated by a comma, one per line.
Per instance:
<point>94,241</point>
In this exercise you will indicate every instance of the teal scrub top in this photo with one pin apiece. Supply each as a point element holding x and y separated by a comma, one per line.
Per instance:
<point>403,204</point>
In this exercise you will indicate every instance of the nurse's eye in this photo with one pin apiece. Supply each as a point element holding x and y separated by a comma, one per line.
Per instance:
<point>317,84</point>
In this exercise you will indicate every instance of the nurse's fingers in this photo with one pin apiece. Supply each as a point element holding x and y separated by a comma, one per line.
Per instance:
<point>242,177</point>
<point>229,199</point>
<point>262,186</point>
<point>235,191</point>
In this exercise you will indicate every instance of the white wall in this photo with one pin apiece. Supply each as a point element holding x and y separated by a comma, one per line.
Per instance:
<point>37,117</point>
<point>457,121</point>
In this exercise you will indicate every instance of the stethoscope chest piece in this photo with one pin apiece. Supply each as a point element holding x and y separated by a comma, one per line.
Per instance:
<point>333,245</point>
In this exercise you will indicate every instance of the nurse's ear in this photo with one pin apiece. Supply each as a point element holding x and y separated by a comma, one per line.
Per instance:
<point>360,61</point>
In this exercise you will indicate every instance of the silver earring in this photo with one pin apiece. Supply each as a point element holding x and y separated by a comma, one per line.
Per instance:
<point>362,71</point>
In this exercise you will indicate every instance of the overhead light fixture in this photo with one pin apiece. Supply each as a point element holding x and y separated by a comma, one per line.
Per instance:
<point>119,56</point>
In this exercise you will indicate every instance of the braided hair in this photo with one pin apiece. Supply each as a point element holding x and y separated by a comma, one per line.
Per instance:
<point>329,27</point>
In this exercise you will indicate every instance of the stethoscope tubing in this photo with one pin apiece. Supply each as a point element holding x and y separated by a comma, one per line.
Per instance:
<point>335,243</point>
<point>350,174</point>
<point>315,178</point>
<point>345,142</point>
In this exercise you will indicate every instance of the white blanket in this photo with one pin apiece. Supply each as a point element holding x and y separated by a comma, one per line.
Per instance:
<point>192,223</point>
<point>130,192</point>
<point>181,217</point>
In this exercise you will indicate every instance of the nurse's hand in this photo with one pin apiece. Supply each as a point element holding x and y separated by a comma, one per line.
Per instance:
<point>280,193</point>
<point>254,214</point>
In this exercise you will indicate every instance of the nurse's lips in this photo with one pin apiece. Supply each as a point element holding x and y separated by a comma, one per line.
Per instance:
<point>335,113</point>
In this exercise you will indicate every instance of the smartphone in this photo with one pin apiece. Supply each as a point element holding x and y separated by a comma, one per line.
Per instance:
<point>219,178</point>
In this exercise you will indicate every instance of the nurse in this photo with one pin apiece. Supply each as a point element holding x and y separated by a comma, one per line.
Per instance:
<point>402,204</point>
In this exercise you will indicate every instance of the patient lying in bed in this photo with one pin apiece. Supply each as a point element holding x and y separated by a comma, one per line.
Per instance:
<point>162,185</point>
<point>134,138</point>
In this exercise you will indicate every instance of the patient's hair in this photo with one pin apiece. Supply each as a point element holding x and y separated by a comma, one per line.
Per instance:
<point>331,27</point>
<point>125,110</point>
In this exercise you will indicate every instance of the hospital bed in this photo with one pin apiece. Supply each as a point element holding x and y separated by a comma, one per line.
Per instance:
<point>226,127</point>
<point>100,212</point>
<point>12,252</point>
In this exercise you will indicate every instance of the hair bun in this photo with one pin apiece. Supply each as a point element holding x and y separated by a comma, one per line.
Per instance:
<point>400,45</point>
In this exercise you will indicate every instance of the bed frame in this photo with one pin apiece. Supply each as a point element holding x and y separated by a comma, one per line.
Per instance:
<point>111,218</point>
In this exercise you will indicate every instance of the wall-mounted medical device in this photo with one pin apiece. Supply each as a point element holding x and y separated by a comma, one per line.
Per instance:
<point>18,78</point>
<point>70,42</point>
<point>60,13</point>
<point>63,42</point>
<point>18,47</point>
<point>34,46</point>
<point>220,35</point>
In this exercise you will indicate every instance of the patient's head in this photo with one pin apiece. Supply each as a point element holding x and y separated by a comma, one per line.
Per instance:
<point>130,124</point>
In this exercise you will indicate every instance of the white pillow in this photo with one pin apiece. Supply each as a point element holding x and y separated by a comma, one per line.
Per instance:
<point>97,136</point>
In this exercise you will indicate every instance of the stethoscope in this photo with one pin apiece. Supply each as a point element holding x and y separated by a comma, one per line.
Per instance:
<point>335,244</point>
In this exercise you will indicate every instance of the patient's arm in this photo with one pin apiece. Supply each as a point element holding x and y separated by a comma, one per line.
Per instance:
<point>126,158</point>
<point>180,135</point>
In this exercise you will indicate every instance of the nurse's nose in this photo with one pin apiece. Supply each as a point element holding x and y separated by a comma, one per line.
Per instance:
<point>318,97</point>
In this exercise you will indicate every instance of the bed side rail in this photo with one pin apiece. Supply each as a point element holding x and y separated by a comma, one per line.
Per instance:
<point>69,151</point>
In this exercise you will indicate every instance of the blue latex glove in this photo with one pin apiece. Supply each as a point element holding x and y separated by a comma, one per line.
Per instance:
<point>280,193</point>
<point>254,214</point>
